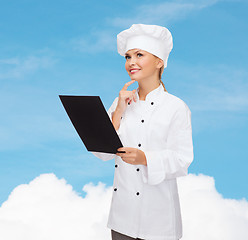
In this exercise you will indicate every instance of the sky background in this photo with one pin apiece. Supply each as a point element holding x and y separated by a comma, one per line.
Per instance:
<point>56,47</point>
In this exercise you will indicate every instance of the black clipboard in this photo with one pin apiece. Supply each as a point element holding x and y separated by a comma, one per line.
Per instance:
<point>92,123</point>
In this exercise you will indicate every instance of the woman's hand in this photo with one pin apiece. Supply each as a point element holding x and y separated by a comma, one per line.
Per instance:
<point>125,97</point>
<point>132,156</point>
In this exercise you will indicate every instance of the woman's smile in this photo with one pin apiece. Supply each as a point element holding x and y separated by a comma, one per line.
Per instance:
<point>141,65</point>
<point>134,70</point>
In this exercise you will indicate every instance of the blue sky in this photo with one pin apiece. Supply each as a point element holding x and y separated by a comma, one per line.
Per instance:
<point>69,47</point>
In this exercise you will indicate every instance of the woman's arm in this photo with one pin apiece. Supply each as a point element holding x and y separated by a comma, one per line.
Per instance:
<point>115,112</point>
<point>166,163</point>
<point>173,161</point>
<point>116,119</point>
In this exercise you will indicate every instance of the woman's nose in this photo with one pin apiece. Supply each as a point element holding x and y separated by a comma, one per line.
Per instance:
<point>132,61</point>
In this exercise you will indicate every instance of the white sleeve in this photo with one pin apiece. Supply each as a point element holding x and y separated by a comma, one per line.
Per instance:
<point>108,156</point>
<point>173,161</point>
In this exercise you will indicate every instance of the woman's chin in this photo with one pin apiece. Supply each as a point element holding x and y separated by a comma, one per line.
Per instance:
<point>134,78</point>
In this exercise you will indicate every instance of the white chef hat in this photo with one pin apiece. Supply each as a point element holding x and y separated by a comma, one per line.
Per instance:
<point>154,39</point>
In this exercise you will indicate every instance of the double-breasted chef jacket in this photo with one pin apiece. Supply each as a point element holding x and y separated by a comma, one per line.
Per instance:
<point>145,202</point>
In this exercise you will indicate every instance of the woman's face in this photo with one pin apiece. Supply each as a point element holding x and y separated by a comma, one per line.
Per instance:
<point>141,64</point>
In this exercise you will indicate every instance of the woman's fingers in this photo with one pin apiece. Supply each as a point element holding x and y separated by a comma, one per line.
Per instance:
<point>129,157</point>
<point>129,152</point>
<point>126,149</point>
<point>127,85</point>
<point>132,97</point>
<point>126,97</point>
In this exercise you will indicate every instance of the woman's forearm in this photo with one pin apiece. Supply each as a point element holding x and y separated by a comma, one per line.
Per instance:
<point>116,119</point>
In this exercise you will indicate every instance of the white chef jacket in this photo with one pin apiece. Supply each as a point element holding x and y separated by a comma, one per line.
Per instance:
<point>145,202</point>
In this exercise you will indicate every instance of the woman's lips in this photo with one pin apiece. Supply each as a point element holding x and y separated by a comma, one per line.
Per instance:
<point>133,71</point>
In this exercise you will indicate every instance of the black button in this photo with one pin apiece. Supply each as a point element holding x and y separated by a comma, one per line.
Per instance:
<point>128,103</point>
<point>137,169</point>
<point>115,189</point>
<point>142,120</point>
<point>116,165</point>
<point>137,193</point>
<point>139,145</point>
<point>152,103</point>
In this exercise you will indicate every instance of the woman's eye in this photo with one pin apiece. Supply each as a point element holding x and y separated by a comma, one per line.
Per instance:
<point>127,57</point>
<point>139,54</point>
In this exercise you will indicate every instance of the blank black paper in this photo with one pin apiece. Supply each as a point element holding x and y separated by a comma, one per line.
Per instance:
<point>92,123</point>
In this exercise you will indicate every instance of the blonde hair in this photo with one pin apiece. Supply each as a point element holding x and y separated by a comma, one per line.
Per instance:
<point>160,77</point>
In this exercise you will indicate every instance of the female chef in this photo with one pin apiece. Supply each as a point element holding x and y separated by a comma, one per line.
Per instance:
<point>155,129</point>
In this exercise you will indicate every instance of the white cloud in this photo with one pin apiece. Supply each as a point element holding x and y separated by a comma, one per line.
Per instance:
<point>160,13</point>
<point>207,215</point>
<point>48,208</point>
<point>30,118</point>
<point>164,12</point>
<point>219,88</point>
<point>94,42</point>
<point>216,94</point>
<point>31,131</point>
<point>19,67</point>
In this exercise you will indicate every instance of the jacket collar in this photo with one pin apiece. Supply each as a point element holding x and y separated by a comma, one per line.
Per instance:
<point>153,94</point>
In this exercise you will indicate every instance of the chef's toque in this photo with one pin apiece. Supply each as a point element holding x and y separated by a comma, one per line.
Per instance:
<point>154,39</point>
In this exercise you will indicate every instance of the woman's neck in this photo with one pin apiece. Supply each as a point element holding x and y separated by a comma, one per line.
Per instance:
<point>146,87</point>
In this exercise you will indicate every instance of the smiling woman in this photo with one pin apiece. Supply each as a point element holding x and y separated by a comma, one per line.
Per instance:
<point>155,129</point>
<point>141,65</point>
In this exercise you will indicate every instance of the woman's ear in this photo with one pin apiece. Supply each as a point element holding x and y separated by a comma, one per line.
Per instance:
<point>160,63</point>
